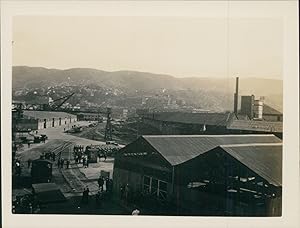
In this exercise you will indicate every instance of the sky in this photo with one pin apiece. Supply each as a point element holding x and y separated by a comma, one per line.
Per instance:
<point>178,46</point>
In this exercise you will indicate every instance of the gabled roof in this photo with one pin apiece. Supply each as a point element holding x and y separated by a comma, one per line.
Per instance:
<point>254,125</point>
<point>264,159</point>
<point>217,119</point>
<point>177,149</point>
<point>268,110</point>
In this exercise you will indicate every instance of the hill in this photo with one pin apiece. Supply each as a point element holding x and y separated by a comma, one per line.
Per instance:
<point>97,86</point>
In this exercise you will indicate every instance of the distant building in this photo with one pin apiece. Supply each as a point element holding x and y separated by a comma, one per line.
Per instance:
<point>172,123</point>
<point>271,114</point>
<point>203,174</point>
<point>82,116</point>
<point>142,111</point>
<point>189,123</point>
<point>36,120</point>
<point>255,127</point>
<point>257,109</point>
<point>247,105</point>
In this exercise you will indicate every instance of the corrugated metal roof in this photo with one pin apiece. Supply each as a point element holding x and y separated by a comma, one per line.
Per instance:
<point>252,125</point>
<point>268,110</point>
<point>177,149</point>
<point>47,114</point>
<point>264,159</point>
<point>217,119</point>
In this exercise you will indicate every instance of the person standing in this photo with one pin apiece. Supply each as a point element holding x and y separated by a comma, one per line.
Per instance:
<point>62,162</point>
<point>122,192</point>
<point>68,164</point>
<point>101,183</point>
<point>127,193</point>
<point>83,162</point>
<point>87,162</point>
<point>106,184</point>
<point>87,194</point>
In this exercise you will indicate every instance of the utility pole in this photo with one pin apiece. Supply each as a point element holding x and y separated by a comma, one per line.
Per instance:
<point>108,127</point>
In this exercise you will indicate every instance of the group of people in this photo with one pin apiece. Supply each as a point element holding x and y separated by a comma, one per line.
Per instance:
<point>101,194</point>
<point>125,193</point>
<point>80,156</point>
<point>107,150</point>
<point>49,156</point>
<point>78,148</point>
<point>105,182</point>
<point>61,162</point>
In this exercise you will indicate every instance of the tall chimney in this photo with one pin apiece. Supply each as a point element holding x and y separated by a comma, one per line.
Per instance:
<point>236,96</point>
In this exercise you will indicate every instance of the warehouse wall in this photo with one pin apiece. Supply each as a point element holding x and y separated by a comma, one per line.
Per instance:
<point>121,177</point>
<point>51,120</point>
<point>40,124</point>
<point>199,202</point>
<point>273,117</point>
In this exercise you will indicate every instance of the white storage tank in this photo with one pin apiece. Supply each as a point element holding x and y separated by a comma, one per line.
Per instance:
<point>258,109</point>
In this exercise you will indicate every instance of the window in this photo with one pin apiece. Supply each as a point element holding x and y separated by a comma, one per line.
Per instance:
<point>162,190</point>
<point>155,187</point>
<point>146,185</point>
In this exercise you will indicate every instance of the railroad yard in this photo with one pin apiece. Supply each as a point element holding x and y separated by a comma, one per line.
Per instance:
<point>71,181</point>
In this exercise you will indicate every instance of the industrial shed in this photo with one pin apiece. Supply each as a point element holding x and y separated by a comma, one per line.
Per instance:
<point>82,116</point>
<point>188,123</point>
<point>45,119</point>
<point>271,114</point>
<point>172,123</point>
<point>258,127</point>
<point>204,174</point>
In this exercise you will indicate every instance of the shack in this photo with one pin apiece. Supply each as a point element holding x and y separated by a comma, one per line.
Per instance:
<point>41,171</point>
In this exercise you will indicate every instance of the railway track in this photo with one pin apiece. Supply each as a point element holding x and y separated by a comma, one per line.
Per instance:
<point>74,178</point>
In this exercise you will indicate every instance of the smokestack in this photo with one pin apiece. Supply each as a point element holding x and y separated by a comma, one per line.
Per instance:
<point>236,96</point>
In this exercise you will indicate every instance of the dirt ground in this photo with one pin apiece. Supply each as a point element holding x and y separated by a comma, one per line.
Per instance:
<point>72,181</point>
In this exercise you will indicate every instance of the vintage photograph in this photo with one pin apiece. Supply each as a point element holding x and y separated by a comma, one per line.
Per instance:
<point>164,116</point>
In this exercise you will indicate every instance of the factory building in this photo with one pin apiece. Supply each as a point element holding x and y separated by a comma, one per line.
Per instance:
<point>172,123</point>
<point>257,109</point>
<point>238,126</point>
<point>188,123</point>
<point>203,174</point>
<point>35,120</point>
<point>247,105</point>
<point>271,114</point>
<point>82,116</point>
